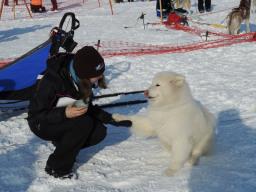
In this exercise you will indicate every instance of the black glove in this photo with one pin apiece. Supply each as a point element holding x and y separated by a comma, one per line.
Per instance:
<point>107,118</point>
<point>125,123</point>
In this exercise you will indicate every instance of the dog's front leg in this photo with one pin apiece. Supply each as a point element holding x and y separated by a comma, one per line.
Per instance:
<point>140,124</point>
<point>119,117</point>
<point>247,21</point>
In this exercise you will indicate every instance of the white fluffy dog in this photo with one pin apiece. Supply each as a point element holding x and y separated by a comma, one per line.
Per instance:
<point>184,127</point>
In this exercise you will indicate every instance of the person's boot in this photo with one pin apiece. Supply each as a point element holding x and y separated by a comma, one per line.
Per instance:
<point>208,5</point>
<point>43,10</point>
<point>54,5</point>
<point>201,6</point>
<point>58,174</point>
<point>6,2</point>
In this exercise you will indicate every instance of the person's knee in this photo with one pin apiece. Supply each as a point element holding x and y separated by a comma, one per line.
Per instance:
<point>84,124</point>
<point>102,132</point>
<point>99,133</point>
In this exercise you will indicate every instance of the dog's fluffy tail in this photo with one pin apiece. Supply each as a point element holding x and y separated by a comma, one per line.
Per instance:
<point>209,116</point>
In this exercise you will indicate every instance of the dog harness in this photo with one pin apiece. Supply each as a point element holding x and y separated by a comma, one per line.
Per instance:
<point>242,10</point>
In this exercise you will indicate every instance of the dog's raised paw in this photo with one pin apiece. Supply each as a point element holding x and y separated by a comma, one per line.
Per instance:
<point>118,117</point>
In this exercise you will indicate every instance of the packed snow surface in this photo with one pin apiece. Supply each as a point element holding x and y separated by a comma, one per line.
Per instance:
<point>222,79</point>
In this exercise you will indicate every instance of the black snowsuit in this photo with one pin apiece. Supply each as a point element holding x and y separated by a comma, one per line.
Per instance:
<point>49,122</point>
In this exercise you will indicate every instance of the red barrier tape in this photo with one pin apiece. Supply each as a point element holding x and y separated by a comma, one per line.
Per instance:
<point>111,49</point>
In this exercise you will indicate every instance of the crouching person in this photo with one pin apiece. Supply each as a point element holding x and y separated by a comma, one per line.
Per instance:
<point>70,128</point>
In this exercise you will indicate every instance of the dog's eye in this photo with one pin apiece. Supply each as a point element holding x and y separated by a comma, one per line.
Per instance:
<point>157,85</point>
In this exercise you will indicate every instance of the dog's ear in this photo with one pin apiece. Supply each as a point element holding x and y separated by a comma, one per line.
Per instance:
<point>179,80</point>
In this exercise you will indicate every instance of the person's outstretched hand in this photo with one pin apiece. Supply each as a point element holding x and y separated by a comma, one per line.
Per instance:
<point>107,118</point>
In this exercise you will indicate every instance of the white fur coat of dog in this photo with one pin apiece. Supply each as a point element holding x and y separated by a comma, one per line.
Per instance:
<point>184,127</point>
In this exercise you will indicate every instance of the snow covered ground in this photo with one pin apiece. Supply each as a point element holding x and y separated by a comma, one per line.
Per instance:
<point>223,79</point>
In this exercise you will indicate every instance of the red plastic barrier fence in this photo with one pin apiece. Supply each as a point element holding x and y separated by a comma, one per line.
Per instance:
<point>115,48</point>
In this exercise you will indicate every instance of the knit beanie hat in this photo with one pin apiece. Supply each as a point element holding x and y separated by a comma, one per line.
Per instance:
<point>88,63</point>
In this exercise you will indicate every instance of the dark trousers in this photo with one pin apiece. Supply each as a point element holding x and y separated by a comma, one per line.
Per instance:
<point>71,136</point>
<point>54,4</point>
<point>201,4</point>
<point>37,8</point>
<point>164,4</point>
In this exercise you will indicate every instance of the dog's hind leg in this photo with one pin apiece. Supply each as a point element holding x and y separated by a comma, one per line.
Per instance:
<point>180,154</point>
<point>204,147</point>
<point>229,24</point>
<point>247,21</point>
<point>237,31</point>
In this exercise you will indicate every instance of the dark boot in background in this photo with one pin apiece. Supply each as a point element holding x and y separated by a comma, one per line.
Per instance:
<point>208,5</point>
<point>54,5</point>
<point>201,6</point>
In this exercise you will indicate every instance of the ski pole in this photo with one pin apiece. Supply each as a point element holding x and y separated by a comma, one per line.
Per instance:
<point>123,103</point>
<point>98,45</point>
<point>116,94</point>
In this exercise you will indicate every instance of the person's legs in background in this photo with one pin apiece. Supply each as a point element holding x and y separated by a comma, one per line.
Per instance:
<point>54,5</point>
<point>201,6</point>
<point>208,5</point>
